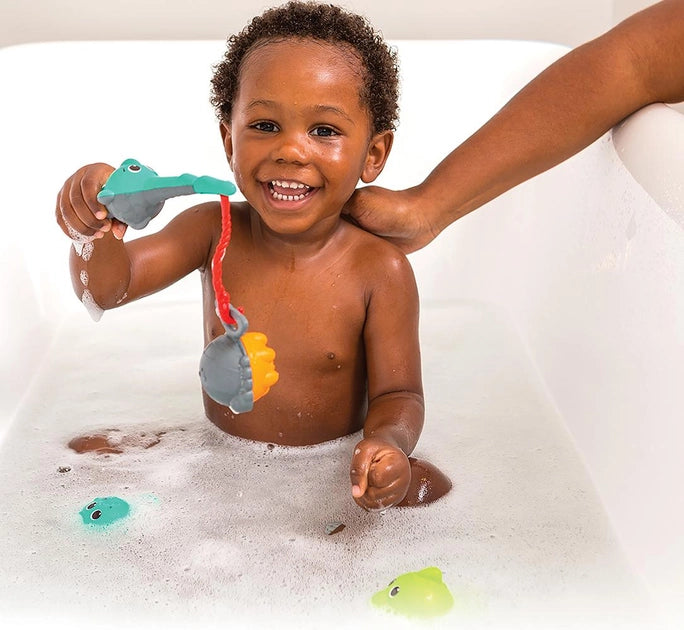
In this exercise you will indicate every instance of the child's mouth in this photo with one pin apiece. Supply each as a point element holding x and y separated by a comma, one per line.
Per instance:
<point>287,190</point>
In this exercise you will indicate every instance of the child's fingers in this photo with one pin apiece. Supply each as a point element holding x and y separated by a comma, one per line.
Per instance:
<point>84,208</point>
<point>59,215</point>
<point>69,220</point>
<point>387,468</point>
<point>358,473</point>
<point>94,178</point>
<point>79,213</point>
<point>381,498</point>
<point>389,476</point>
<point>118,229</point>
<point>380,475</point>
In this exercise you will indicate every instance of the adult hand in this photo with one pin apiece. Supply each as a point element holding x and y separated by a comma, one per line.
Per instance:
<point>397,216</point>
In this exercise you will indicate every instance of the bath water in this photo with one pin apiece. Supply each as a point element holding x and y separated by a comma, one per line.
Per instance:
<point>227,533</point>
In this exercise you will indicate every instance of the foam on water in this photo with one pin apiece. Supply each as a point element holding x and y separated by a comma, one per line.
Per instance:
<point>225,532</point>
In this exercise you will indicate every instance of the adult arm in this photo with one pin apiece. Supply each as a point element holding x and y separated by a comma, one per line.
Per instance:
<point>564,109</point>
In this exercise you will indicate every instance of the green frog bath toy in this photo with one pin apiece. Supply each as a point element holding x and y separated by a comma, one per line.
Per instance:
<point>134,194</point>
<point>420,594</point>
<point>104,511</point>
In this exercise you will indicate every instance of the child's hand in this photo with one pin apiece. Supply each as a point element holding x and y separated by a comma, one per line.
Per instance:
<point>380,474</point>
<point>78,212</point>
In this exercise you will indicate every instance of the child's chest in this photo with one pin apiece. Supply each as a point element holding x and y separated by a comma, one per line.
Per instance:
<point>313,314</point>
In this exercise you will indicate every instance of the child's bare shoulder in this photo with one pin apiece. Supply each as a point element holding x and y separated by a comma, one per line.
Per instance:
<point>375,253</point>
<point>201,216</point>
<point>205,219</point>
<point>190,235</point>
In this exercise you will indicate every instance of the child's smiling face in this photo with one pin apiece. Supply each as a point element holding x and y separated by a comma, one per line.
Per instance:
<point>300,136</point>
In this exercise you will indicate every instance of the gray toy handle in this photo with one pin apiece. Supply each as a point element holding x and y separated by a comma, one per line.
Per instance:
<point>236,331</point>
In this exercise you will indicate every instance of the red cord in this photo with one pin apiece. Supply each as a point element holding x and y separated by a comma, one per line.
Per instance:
<point>222,296</point>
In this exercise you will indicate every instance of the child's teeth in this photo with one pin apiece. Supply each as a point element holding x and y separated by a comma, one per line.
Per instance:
<point>292,185</point>
<point>288,197</point>
<point>288,184</point>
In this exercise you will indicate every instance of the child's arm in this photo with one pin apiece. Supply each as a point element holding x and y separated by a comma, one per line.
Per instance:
<point>119,272</point>
<point>380,470</point>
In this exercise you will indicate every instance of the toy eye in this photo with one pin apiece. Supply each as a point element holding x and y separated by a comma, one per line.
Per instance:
<point>134,168</point>
<point>91,506</point>
<point>96,514</point>
<point>394,592</point>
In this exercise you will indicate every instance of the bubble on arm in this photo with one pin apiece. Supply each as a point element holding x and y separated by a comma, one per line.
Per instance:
<point>84,249</point>
<point>77,238</point>
<point>94,310</point>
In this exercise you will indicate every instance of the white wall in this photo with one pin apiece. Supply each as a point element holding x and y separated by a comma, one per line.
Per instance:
<point>560,21</point>
<point>625,8</point>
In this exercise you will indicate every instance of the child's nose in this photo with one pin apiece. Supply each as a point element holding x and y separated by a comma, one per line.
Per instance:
<point>292,148</point>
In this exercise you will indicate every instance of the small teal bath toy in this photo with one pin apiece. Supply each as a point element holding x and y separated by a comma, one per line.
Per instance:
<point>134,194</point>
<point>421,594</point>
<point>238,367</point>
<point>104,511</point>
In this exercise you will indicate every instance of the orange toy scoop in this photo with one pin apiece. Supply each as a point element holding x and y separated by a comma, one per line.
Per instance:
<point>262,362</point>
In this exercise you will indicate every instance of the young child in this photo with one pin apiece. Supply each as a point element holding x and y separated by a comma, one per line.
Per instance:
<point>307,100</point>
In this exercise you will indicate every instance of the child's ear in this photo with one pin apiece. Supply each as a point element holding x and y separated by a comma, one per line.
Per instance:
<point>227,137</point>
<point>378,151</point>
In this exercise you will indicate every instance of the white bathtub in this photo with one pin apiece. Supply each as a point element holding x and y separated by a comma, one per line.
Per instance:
<point>553,350</point>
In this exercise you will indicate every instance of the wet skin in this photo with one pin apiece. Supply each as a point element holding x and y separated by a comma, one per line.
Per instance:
<point>339,306</point>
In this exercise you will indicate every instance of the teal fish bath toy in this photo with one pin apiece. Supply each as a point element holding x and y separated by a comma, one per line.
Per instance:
<point>421,594</point>
<point>236,368</point>
<point>104,511</point>
<point>134,194</point>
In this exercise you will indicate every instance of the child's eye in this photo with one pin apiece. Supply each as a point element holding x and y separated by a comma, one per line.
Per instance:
<point>265,126</point>
<point>324,132</point>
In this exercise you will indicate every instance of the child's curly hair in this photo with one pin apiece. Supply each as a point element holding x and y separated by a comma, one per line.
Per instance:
<point>322,22</point>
